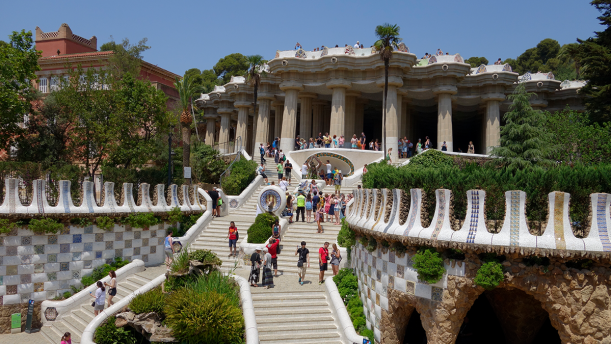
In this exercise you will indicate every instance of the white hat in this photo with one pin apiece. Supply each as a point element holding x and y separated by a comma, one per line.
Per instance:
<point>265,249</point>
<point>258,248</point>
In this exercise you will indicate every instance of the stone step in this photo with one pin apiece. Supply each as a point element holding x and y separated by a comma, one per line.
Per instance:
<point>51,334</point>
<point>276,304</point>
<point>61,327</point>
<point>282,311</point>
<point>75,322</point>
<point>323,335</point>
<point>296,326</point>
<point>293,318</point>
<point>292,295</point>
<point>83,316</point>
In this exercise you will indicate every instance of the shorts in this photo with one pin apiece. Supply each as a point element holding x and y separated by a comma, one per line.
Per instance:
<point>214,204</point>
<point>280,175</point>
<point>98,307</point>
<point>327,145</point>
<point>112,291</point>
<point>169,253</point>
<point>263,175</point>
<point>323,267</point>
<point>233,242</point>
<point>338,187</point>
<point>329,175</point>
<point>353,146</point>
<point>302,270</point>
<point>287,175</point>
<point>275,263</point>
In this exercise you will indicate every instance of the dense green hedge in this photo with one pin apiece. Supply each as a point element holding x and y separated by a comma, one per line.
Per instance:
<point>242,173</point>
<point>347,285</point>
<point>261,230</point>
<point>579,181</point>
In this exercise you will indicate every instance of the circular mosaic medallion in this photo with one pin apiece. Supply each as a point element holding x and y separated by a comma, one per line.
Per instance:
<point>270,199</point>
<point>50,314</point>
<point>233,203</point>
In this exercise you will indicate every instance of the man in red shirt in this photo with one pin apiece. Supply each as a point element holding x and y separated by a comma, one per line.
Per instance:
<point>272,248</point>
<point>323,255</point>
<point>233,238</point>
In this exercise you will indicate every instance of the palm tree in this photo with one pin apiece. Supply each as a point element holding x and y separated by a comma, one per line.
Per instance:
<point>388,40</point>
<point>186,90</point>
<point>253,75</point>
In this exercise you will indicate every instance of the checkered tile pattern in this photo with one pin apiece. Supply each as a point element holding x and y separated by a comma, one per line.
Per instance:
<point>40,267</point>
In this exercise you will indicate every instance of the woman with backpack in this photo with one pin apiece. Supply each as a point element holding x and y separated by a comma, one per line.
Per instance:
<point>255,268</point>
<point>308,206</point>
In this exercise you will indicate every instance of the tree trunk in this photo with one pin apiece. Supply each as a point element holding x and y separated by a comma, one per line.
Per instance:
<point>386,63</point>
<point>186,148</point>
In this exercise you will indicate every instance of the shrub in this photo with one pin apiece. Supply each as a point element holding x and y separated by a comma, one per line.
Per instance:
<point>398,248</point>
<point>141,220</point>
<point>348,287</point>
<point>242,173</point>
<point>151,301</point>
<point>363,240</point>
<point>372,244</point>
<point>346,237</point>
<point>104,222</point>
<point>102,271</point>
<point>429,264</point>
<point>489,275</point>
<point>174,215</point>
<point>217,282</point>
<point>180,263</point>
<point>6,226</point>
<point>431,159</point>
<point>188,221</point>
<point>45,225</point>
<point>81,221</point>
<point>109,333</point>
<point>369,334</point>
<point>203,317</point>
<point>67,294</point>
<point>261,230</point>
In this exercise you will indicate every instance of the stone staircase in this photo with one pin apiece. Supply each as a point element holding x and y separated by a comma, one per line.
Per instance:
<point>80,317</point>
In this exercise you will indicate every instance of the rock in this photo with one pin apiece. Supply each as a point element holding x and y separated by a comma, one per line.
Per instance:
<point>148,324</point>
<point>522,266</point>
<point>506,263</point>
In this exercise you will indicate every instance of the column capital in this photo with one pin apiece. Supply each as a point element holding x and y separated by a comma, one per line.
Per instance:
<point>392,81</point>
<point>242,104</point>
<point>445,89</point>
<point>493,96</point>
<point>291,85</point>
<point>225,111</point>
<point>307,95</point>
<point>339,83</point>
<point>211,116</point>
<point>265,96</point>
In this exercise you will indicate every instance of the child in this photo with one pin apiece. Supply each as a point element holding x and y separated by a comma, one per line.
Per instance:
<point>66,338</point>
<point>308,207</point>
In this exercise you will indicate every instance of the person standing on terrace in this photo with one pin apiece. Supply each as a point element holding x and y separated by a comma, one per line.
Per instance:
<point>357,45</point>
<point>298,45</point>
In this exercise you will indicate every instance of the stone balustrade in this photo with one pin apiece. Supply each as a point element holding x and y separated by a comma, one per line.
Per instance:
<point>185,197</point>
<point>385,211</point>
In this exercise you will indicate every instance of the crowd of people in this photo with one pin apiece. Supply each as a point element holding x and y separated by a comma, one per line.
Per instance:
<point>357,45</point>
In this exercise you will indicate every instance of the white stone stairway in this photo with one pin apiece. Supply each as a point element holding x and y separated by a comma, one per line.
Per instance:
<point>80,317</point>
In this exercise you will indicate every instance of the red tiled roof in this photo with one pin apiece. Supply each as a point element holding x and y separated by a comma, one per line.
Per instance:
<point>96,53</point>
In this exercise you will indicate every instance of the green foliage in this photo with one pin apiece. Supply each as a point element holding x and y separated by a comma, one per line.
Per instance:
<point>524,141</point>
<point>174,215</point>
<point>242,173</point>
<point>476,61</point>
<point>205,256</point>
<point>489,275</point>
<point>81,221</point>
<point>347,285</point>
<point>19,61</point>
<point>363,240</point>
<point>45,226</point>
<point>231,65</point>
<point>431,158</point>
<point>203,317</point>
<point>580,264</point>
<point>149,175</point>
<point>455,254</point>
<point>372,244</point>
<point>104,222</point>
<point>219,283</point>
<point>141,220</point>
<point>398,248</point>
<point>109,333</point>
<point>207,164</point>
<point>127,57</point>
<point>6,226</point>
<point>180,263</point>
<point>261,230</point>
<point>188,221</point>
<point>429,264</point>
<point>346,236</point>
<point>151,301</point>
<point>547,56</point>
<point>102,271</point>
<point>67,294</point>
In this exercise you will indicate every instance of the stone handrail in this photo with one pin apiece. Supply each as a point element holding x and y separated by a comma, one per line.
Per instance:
<point>235,202</point>
<point>65,306</point>
<point>39,206</point>
<point>340,311</point>
<point>557,237</point>
<point>201,223</point>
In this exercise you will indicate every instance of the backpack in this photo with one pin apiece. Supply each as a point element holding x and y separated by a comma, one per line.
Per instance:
<point>308,205</point>
<point>262,150</point>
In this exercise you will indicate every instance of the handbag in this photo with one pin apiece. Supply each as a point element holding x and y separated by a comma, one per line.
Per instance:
<point>220,201</point>
<point>93,304</point>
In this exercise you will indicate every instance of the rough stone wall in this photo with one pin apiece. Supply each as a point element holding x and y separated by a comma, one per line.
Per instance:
<point>7,311</point>
<point>405,206</point>
<point>389,204</point>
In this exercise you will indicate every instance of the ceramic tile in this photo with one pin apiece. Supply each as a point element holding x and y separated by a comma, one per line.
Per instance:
<point>39,268</point>
<point>11,250</point>
<point>76,256</point>
<point>153,250</point>
<point>38,287</point>
<point>137,234</point>
<point>98,254</point>
<point>64,248</point>
<point>11,290</point>
<point>1,280</point>
<point>145,242</point>
<point>39,249</point>
<point>145,258</point>
<point>109,260</point>
<point>26,240</point>
<point>52,258</point>
<point>26,259</point>
<point>87,264</point>
<point>391,256</point>
<point>119,236</point>
<point>52,239</point>
<point>384,266</point>
<point>128,244</point>
<point>1,241</point>
<point>153,234</point>
<point>136,251</point>
<point>11,270</point>
<point>391,282</point>
<point>160,241</point>
<point>410,287</point>
<point>64,266</point>
<point>76,274</point>
<point>400,271</point>
<point>88,247</point>
<point>26,278</point>
<point>436,294</point>
<point>109,245</point>
<point>52,276</point>
<point>89,230</point>
<point>99,237</point>
<point>77,238</point>
<point>378,275</point>
<point>119,252</point>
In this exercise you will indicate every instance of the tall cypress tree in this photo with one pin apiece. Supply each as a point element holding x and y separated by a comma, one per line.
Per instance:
<point>525,142</point>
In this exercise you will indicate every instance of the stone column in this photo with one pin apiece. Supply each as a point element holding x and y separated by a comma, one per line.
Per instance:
<point>391,122</point>
<point>305,124</point>
<point>444,116</point>
<point>359,117</point>
<point>279,108</point>
<point>224,132</point>
<point>400,132</point>
<point>317,117</point>
<point>338,106</point>
<point>493,121</point>
<point>326,119</point>
<point>210,126</point>
<point>242,125</point>
<point>253,132</point>
<point>289,116</point>
<point>350,117</point>
<point>262,126</point>
<point>406,120</point>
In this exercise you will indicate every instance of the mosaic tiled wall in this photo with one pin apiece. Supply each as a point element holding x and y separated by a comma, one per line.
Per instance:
<point>41,267</point>
<point>378,271</point>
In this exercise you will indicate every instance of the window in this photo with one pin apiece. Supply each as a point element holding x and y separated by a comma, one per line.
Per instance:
<point>42,85</point>
<point>54,83</point>
<point>13,151</point>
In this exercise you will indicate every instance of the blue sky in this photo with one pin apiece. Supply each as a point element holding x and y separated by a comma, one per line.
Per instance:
<point>188,34</point>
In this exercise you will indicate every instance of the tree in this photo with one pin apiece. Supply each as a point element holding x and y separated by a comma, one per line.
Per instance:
<point>186,90</point>
<point>207,164</point>
<point>388,40</point>
<point>140,119</point>
<point>18,64</point>
<point>126,58</point>
<point>477,61</point>
<point>253,77</point>
<point>231,65</point>
<point>525,142</point>
<point>594,56</point>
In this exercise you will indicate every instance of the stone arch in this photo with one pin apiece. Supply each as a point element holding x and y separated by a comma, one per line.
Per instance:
<point>334,158</point>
